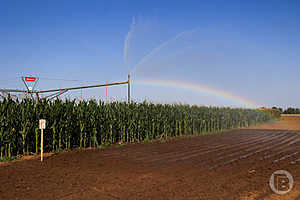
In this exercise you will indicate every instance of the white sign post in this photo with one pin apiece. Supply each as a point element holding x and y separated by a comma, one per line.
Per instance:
<point>42,124</point>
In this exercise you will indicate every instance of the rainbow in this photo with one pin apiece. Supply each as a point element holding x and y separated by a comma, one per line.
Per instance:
<point>197,88</point>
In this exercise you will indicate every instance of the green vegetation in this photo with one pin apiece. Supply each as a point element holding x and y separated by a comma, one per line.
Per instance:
<point>292,111</point>
<point>96,124</point>
<point>273,113</point>
<point>101,147</point>
<point>7,159</point>
<point>288,111</point>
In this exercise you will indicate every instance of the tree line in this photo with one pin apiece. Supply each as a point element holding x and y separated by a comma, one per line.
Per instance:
<point>288,110</point>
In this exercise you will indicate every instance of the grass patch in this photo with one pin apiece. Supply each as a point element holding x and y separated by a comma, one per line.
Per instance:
<point>101,147</point>
<point>147,139</point>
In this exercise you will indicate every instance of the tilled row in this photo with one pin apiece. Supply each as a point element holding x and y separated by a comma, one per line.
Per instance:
<point>276,146</point>
<point>185,153</point>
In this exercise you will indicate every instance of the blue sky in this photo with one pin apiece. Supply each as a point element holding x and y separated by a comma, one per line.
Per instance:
<point>247,48</point>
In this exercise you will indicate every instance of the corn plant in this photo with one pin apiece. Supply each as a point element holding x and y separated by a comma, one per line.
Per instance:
<point>90,123</point>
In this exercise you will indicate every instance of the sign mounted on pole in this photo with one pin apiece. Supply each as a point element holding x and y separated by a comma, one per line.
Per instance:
<point>32,79</point>
<point>42,124</point>
<point>30,86</point>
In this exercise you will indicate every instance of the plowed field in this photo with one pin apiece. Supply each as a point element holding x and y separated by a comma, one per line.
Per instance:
<point>231,165</point>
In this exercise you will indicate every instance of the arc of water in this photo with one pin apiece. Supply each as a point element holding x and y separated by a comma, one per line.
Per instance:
<point>176,54</point>
<point>162,45</point>
<point>127,43</point>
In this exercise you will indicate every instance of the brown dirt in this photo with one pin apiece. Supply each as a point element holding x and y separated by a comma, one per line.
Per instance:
<point>232,165</point>
<point>286,123</point>
<point>28,157</point>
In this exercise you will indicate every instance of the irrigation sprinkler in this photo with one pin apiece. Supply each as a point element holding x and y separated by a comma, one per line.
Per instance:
<point>12,90</point>
<point>81,87</point>
<point>63,90</point>
<point>58,92</point>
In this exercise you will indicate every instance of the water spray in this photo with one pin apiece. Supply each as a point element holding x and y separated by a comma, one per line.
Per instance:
<point>127,43</point>
<point>162,45</point>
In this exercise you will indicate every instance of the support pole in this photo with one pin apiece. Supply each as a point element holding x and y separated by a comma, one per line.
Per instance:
<point>37,97</point>
<point>128,88</point>
<point>106,97</point>
<point>42,144</point>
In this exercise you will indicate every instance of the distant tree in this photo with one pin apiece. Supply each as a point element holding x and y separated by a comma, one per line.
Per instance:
<point>292,111</point>
<point>275,108</point>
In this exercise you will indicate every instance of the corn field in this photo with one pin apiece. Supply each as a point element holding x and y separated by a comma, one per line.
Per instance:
<point>90,124</point>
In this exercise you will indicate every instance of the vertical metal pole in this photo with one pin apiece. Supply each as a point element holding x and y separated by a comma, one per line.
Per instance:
<point>42,143</point>
<point>106,97</point>
<point>128,88</point>
<point>37,98</point>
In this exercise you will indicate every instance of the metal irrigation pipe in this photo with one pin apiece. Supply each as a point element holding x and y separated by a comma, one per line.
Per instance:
<point>81,87</point>
<point>37,92</point>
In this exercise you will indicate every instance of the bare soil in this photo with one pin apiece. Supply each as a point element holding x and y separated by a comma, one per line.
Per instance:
<point>286,123</point>
<point>231,165</point>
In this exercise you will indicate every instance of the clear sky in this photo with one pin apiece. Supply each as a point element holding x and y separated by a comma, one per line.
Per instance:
<point>248,49</point>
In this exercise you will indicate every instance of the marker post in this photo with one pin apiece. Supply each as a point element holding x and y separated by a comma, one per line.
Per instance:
<point>42,125</point>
